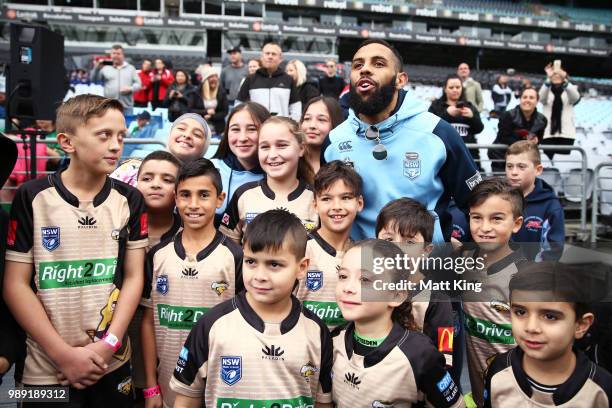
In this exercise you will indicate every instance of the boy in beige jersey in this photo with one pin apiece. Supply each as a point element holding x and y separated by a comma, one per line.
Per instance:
<point>80,238</point>
<point>545,370</point>
<point>261,348</point>
<point>156,181</point>
<point>495,214</point>
<point>337,200</point>
<point>188,274</point>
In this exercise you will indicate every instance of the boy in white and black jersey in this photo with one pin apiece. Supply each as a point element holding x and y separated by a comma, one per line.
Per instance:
<point>261,348</point>
<point>338,199</point>
<point>80,238</point>
<point>188,274</point>
<point>496,210</point>
<point>548,314</point>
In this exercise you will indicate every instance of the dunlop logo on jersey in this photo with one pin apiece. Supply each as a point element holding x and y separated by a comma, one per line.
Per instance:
<point>77,273</point>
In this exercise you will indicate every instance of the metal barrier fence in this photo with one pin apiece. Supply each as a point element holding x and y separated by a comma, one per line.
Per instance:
<point>597,201</point>
<point>579,187</point>
<point>580,164</point>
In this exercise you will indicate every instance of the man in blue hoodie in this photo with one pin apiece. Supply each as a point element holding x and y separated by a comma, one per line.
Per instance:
<point>396,146</point>
<point>543,223</point>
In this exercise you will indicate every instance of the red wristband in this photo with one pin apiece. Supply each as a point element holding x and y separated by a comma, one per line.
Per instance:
<point>151,392</point>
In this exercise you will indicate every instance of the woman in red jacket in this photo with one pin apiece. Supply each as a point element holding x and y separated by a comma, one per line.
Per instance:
<point>161,79</point>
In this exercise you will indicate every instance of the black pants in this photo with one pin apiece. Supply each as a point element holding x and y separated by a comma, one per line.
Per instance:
<point>113,390</point>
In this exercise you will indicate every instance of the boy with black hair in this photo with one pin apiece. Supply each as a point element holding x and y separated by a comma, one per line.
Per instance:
<point>548,314</point>
<point>495,214</point>
<point>187,275</point>
<point>337,191</point>
<point>407,222</point>
<point>543,214</point>
<point>156,177</point>
<point>156,181</point>
<point>223,360</point>
<point>80,237</point>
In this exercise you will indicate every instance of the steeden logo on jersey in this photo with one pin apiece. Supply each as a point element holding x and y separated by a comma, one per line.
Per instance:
<point>87,222</point>
<point>272,353</point>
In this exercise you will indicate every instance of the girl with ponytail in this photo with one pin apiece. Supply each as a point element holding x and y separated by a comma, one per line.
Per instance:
<point>380,357</point>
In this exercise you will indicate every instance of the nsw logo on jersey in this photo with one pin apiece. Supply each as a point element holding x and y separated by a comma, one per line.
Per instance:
<point>250,216</point>
<point>50,237</point>
<point>162,284</point>
<point>314,280</point>
<point>412,165</point>
<point>231,369</point>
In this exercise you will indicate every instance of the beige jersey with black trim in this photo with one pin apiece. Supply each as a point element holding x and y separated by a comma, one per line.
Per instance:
<point>254,198</point>
<point>317,290</point>
<point>77,251</point>
<point>404,371</point>
<point>183,288</point>
<point>487,317</point>
<point>507,385</point>
<point>233,357</point>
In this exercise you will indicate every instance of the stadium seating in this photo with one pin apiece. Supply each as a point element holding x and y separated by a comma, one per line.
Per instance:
<point>601,16</point>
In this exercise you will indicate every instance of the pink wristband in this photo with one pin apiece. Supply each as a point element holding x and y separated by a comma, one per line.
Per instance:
<point>112,341</point>
<point>151,392</point>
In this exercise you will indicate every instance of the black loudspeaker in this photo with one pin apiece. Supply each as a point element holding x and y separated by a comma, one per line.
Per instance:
<point>36,82</point>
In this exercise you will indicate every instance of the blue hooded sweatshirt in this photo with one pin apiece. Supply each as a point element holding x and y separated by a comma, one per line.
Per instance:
<point>543,222</point>
<point>427,161</point>
<point>233,175</point>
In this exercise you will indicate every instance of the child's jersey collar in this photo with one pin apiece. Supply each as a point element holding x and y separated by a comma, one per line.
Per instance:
<point>564,392</point>
<point>397,335</point>
<point>253,319</point>
<point>323,243</point>
<point>180,249</point>
<point>56,180</point>
<point>292,196</point>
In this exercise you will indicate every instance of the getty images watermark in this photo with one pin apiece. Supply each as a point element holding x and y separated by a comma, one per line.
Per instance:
<point>476,273</point>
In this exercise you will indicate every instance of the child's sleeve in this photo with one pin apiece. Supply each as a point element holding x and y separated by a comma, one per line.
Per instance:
<point>146,300</point>
<point>432,378</point>
<point>439,327</point>
<point>230,221</point>
<point>191,369</point>
<point>325,381</point>
<point>20,235</point>
<point>237,255</point>
<point>138,232</point>
<point>553,233</point>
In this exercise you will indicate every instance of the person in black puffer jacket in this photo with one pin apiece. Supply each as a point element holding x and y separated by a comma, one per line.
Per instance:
<point>523,122</point>
<point>305,88</point>
<point>461,114</point>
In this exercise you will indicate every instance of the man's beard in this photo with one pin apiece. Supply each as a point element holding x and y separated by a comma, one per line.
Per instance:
<point>376,102</point>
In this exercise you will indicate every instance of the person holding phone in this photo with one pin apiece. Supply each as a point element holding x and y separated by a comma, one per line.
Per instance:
<point>558,96</point>
<point>461,114</point>
<point>120,77</point>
